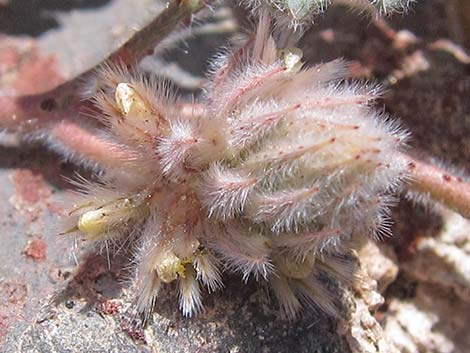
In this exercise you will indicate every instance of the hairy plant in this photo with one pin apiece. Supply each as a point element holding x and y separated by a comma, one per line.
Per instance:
<point>271,175</point>
<point>284,166</point>
<point>295,13</point>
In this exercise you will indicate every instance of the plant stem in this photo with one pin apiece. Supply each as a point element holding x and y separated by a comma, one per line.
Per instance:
<point>83,145</point>
<point>450,190</point>
<point>26,113</point>
<point>143,42</point>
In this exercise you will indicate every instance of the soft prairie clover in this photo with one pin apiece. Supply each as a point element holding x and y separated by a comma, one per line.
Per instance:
<point>283,166</point>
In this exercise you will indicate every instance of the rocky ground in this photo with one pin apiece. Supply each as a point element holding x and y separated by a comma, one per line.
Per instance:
<point>418,297</point>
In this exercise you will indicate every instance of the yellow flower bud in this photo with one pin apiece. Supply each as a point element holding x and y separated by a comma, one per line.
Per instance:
<point>96,223</point>
<point>169,267</point>
<point>129,101</point>
<point>134,108</point>
<point>292,58</point>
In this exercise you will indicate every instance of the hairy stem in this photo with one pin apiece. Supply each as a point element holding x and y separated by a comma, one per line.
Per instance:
<point>450,190</point>
<point>82,144</point>
<point>26,113</point>
<point>73,140</point>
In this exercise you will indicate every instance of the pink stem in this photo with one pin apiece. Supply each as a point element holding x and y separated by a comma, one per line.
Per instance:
<point>71,137</point>
<point>26,113</point>
<point>450,190</point>
<point>77,140</point>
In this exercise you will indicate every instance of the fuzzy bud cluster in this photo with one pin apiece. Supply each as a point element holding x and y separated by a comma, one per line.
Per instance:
<point>295,13</point>
<point>272,180</point>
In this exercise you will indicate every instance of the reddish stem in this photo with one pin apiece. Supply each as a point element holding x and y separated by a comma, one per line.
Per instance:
<point>450,190</point>
<point>26,113</point>
<point>89,146</point>
<point>74,139</point>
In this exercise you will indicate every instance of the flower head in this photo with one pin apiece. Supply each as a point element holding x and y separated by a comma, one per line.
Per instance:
<point>271,181</point>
